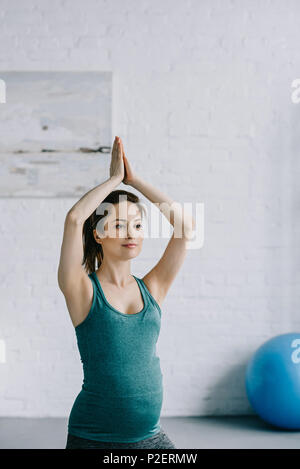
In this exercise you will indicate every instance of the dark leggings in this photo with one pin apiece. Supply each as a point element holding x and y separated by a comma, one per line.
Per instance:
<point>160,440</point>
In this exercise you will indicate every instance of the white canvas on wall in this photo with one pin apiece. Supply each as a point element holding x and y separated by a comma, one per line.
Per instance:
<point>55,132</point>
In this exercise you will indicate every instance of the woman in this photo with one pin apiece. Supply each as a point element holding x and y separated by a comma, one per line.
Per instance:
<point>116,315</point>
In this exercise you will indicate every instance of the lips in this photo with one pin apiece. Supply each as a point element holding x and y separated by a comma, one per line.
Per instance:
<point>129,245</point>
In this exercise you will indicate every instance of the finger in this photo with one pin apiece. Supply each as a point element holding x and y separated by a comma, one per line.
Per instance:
<point>124,162</point>
<point>116,142</point>
<point>116,147</point>
<point>120,149</point>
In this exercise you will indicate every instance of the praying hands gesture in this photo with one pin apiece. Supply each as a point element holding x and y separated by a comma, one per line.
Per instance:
<point>119,166</point>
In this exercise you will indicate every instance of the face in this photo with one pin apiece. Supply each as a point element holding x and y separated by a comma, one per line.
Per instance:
<point>123,225</point>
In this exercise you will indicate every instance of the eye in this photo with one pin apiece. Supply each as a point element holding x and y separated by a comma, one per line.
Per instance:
<point>138,225</point>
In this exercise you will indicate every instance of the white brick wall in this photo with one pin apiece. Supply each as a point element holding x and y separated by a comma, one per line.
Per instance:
<point>202,102</point>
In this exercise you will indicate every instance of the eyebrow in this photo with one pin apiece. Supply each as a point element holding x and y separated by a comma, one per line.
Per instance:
<point>122,219</point>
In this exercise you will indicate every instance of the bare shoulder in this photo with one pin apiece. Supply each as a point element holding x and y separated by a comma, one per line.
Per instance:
<point>79,299</point>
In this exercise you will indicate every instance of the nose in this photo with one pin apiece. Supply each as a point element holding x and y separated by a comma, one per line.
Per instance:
<point>131,233</point>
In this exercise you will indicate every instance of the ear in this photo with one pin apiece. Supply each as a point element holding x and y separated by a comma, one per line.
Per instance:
<point>97,237</point>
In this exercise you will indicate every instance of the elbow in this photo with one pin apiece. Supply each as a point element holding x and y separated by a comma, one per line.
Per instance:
<point>189,229</point>
<point>190,223</point>
<point>73,217</point>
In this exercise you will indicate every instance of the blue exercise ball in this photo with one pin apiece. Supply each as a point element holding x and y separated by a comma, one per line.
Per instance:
<point>273,381</point>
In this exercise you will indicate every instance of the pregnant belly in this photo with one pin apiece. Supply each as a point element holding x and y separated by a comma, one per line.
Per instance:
<point>115,418</point>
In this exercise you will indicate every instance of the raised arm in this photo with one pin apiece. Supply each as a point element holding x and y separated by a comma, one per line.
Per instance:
<point>161,276</point>
<point>70,270</point>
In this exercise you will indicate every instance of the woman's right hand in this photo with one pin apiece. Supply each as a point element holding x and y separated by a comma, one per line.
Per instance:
<point>117,163</point>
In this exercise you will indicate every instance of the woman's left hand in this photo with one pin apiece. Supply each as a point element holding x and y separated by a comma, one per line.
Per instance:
<point>129,176</point>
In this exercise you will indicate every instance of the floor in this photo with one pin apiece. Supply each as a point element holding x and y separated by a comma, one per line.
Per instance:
<point>186,432</point>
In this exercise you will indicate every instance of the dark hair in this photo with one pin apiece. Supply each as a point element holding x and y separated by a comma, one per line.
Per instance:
<point>91,249</point>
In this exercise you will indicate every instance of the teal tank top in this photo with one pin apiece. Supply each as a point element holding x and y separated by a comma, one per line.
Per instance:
<point>122,391</point>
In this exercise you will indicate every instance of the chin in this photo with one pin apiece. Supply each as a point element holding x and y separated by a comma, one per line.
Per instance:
<point>131,252</point>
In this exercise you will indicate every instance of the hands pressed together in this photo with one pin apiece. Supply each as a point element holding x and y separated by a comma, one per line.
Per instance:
<point>119,166</point>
